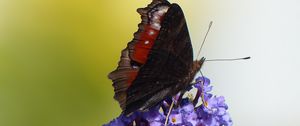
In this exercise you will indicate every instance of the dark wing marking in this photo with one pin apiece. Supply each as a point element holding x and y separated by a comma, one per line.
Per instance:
<point>169,62</point>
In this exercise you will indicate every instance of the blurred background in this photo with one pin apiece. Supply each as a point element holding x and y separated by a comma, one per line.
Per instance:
<point>55,56</point>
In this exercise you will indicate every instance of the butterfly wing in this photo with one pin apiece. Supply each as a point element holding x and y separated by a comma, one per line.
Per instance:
<point>136,53</point>
<point>168,65</point>
<point>122,78</point>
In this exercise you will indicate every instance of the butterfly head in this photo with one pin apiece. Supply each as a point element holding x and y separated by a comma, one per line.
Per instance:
<point>198,64</point>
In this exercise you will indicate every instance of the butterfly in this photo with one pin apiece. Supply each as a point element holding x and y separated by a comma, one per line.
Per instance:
<point>158,62</point>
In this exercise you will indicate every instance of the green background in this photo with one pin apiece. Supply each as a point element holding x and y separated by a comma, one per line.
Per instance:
<point>55,56</point>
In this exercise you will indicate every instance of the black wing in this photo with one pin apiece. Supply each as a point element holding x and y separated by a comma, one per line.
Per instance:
<point>168,64</point>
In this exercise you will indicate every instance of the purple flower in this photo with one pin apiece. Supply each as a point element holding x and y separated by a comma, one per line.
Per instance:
<point>203,86</point>
<point>175,118</point>
<point>156,123</point>
<point>115,122</point>
<point>154,117</point>
<point>189,114</point>
<point>216,106</point>
<point>212,113</point>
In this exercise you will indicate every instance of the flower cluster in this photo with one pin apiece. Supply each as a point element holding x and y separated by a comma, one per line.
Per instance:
<point>212,111</point>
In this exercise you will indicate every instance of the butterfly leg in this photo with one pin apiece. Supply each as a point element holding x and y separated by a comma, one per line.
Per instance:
<point>167,118</point>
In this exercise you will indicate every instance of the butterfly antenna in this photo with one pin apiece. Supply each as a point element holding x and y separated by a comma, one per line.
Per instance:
<point>210,24</point>
<point>245,58</point>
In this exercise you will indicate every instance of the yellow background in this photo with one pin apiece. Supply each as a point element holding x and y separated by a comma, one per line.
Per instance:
<point>55,56</point>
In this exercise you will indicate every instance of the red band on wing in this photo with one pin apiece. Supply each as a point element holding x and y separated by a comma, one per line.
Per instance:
<point>144,45</point>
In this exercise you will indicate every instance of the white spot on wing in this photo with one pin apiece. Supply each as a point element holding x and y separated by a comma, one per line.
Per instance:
<point>151,32</point>
<point>156,26</point>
